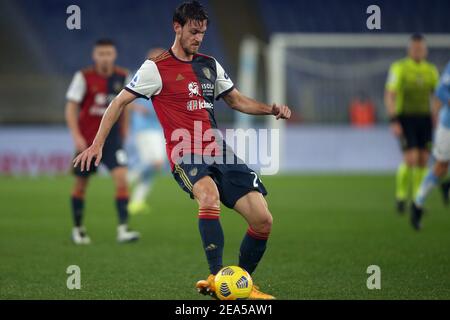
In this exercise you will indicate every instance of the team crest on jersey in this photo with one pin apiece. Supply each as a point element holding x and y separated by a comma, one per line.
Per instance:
<point>207,72</point>
<point>193,172</point>
<point>193,89</point>
<point>117,86</point>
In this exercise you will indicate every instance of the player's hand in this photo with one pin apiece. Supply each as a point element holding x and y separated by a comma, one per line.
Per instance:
<point>396,129</point>
<point>80,143</point>
<point>85,158</point>
<point>281,111</point>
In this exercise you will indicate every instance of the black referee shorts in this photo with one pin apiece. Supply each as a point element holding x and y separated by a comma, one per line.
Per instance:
<point>417,132</point>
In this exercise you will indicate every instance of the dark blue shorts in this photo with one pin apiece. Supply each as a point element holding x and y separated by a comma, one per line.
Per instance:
<point>233,180</point>
<point>113,156</point>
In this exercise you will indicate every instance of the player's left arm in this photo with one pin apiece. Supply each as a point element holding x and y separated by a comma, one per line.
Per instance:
<point>242,103</point>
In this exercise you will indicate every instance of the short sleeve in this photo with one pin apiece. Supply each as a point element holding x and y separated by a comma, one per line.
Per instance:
<point>128,78</point>
<point>394,78</point>
<point>146,82</point>
<point>223,83</point>
<point>77,88</point>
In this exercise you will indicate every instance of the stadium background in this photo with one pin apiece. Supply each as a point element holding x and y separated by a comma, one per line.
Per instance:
<point>331,212</point>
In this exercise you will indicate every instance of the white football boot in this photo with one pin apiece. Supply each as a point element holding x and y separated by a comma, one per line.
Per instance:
<point>124,235</point>
<point>79,236</point>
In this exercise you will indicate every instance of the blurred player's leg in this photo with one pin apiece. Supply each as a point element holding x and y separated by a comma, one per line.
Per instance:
<point>405,176</point>
<point>119,175</point>
<point>253,207</point>
<point>430,181</point>
<point>441,152</point>
<point>403,181</point>
<point>142,188</point>
<point>424,142</point>
<point>150,148</point>
<point>79,235</point>
<point>445,191</point>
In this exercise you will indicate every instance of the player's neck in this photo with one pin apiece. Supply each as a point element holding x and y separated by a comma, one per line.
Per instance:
<point>418,61</point>
<point>180,54</point>
<point>104,72</point>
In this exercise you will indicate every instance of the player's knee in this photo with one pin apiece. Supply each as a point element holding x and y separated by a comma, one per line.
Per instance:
<point>410,161</point>
<point>121,183</point>
<point>440,169</point>
<point>411,158</point>
<point>263,225</point>
<point>79,189</point>
<point>209,199</point>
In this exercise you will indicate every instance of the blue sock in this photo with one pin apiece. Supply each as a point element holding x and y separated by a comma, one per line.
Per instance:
<point>212,237</point>
<point>430,181</point>
<point>122,210</point>
<point>252,249</point>
<point>77,210</point>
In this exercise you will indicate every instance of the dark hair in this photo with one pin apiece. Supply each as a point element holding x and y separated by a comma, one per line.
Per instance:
<point>417,37</point>
<point>104,42</point>
<point>192,10</point>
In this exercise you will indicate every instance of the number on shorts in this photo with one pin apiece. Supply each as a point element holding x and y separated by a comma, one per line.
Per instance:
<point>255,181</point>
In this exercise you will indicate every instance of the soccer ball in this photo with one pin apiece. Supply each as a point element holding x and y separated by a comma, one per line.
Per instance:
<point>233,283</point>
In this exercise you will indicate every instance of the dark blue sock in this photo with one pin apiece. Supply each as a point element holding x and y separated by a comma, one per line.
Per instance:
<point>212,237</point>
<point>252,249</point>
<point>122,210</point>
<point>77,210</point>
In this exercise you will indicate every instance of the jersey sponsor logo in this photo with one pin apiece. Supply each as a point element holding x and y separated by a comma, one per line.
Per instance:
<point>207,89</point>
<point>117,86</point>
<point>101,102</point>
<point>198,104</point>
<point>193,89</point>
<point>97,110</point>
<point>179,77</point>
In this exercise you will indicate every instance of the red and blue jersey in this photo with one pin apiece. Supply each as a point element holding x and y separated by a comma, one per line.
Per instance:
<point>93,92</point>
<point>183,94</point>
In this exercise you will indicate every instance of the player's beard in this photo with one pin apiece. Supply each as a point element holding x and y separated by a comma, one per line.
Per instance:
<point>188,49</point>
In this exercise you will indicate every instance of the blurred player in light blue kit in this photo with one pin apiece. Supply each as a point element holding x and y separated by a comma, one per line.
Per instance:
<point>441,151</point>
<point>146,149</point>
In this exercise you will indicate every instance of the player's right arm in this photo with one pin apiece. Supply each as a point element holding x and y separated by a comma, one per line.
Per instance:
<point>145,83</point>
<point>71,115</point>
<point>390,96</point>
<point>75,94</point>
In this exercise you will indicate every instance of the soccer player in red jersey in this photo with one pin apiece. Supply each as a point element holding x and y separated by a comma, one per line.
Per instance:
<point>88,96</point>
<point>183,85</point>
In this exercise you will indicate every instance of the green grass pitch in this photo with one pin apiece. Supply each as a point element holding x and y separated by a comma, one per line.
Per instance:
<point>327,230</point>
